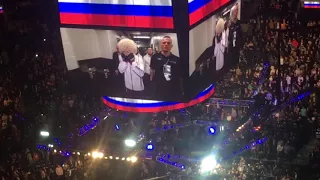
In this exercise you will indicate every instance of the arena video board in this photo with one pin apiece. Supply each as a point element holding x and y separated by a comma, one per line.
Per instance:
<point>214,43</point>
<point>311,4</point>
<point>112,48</point>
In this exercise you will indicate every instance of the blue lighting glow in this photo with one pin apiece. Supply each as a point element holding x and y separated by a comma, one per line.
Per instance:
<point>150,147</point>
<point>212,130</point>
<point>174,164</point>
<point>117,127</point>
<point>43,147</point>
<point>88,127</point>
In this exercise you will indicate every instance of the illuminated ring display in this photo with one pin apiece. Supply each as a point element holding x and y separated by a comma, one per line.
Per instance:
<point>136,105</point>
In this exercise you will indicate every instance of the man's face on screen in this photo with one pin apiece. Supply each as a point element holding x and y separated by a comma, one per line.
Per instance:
<point>235,12</point>
<point>150,51</point>
<point>166,44</point>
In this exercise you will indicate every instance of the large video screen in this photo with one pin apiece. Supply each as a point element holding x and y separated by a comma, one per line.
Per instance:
<point>311,4</point>
<point>117,13</point>
<point>214,46</point>
<point>129,61</point>
<point>132,64</point>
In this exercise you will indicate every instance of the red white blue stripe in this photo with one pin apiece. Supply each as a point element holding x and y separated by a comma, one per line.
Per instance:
<point>119,13</point>
<point>311,4</point>
<point>149,106</point>
<point>1,9</point>
<point>199,9</point>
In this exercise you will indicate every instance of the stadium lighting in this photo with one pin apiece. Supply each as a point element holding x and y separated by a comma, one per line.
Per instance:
<point>208,164</point>
<point>141,37</point>
<point>150,147</point>
<point>212,130</point>
<point>97,155</point>
<point>44,133</point>
<point>221,128</point>
<point>130,143</point>
<point>134,159</point>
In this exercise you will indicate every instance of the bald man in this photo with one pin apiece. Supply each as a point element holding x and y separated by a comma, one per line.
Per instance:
<point>165,72</point>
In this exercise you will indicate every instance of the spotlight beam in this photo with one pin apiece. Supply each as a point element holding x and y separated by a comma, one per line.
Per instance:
<point>130,143</point>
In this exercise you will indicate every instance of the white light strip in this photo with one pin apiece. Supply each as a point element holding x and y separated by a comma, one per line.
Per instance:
<point>311,2</point>
<point>99,155</point>
<point>226,12</point>
<point>141,37</point>
<point>128,100</point>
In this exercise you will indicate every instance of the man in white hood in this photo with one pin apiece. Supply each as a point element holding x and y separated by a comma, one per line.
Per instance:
<point>131,65</point>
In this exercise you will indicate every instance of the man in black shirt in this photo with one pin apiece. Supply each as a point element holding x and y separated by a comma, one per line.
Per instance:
<point>235,37</point>
<point>165,72</point>
<point>118,82</point>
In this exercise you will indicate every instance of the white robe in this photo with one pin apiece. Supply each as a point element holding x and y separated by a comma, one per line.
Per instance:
<point>219,52</point>
<point>147,61</point>
<point>133,73</point>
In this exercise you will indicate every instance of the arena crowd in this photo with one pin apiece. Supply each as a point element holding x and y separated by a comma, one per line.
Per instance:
<point>33,81</point>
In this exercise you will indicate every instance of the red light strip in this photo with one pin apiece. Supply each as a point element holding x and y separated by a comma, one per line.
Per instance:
<point>160,108</point>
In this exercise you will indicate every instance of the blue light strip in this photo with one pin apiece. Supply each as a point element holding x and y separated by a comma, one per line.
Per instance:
<point>170,163</point>
<point>245,148</point>
<point>183,125</point>
<point>94,123</point>
<point>86,128</point>
<point>175,163</point>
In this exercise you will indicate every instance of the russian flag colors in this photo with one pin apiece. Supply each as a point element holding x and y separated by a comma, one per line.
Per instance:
<point>311,4</point>
<point>117,13</point>
<point>199,9</point>
<point>132,13</point>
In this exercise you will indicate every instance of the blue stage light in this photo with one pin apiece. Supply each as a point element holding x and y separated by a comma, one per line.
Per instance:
<point>117,127</point>
<point>212,130</point>
<point>150,147</point>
